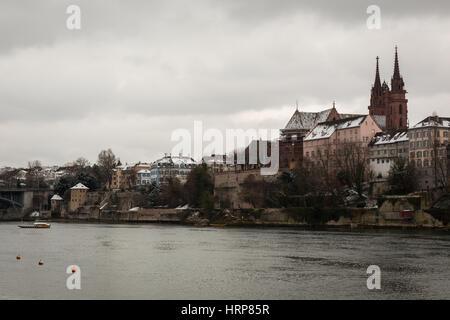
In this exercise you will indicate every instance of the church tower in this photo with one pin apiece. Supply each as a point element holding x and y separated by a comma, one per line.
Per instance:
<point>398,104</point>
<point>377,100</point>
<point>390,103</point>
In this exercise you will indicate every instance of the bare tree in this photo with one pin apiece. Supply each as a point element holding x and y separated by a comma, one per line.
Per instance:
<point>106,162</point>
<point>324,171</point>
<point>352,165</point>
<point>34,177</point>
<point>82,162</point>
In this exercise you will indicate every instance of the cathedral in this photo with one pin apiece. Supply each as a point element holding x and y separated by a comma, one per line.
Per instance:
<point>389,106</point>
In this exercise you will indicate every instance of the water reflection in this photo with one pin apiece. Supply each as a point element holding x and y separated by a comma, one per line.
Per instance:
<point>175,262</point>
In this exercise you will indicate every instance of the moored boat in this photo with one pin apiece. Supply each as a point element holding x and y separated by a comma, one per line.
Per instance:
<point>36,225</point>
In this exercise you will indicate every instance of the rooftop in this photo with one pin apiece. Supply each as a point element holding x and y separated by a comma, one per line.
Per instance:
<point>433,121</point>
<point>326,129</point>
<point>79,186</point>
<point>306,120</point>
<point>389,138</point>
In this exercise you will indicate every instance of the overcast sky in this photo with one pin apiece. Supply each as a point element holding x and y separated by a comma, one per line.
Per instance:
<point>137,70</point>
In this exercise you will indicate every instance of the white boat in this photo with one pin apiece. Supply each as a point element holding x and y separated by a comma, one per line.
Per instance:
<point>37,225</point>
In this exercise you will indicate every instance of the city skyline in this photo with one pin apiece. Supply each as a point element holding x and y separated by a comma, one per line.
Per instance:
<point>133,74</point>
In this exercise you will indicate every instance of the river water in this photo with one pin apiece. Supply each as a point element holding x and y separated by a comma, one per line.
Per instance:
<point>153,261</point>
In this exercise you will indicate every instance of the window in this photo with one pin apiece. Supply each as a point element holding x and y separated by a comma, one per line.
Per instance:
<point>400,110</point>
<point>419,163</point>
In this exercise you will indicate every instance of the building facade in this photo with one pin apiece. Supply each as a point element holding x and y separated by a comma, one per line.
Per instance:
<point>171,167</point>
<point>428,141</point>
<point>77,196</point>
<point>291,137</point>
<point>390,103</point>
<point>143,177</point>
<point>384,149</point>
<point>324,143</point>
<point>123,177</point>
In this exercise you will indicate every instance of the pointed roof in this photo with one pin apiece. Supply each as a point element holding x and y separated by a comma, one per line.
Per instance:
<point>396,66</point>
<point>56,197</point>
<point>377,83</point>
<point>306,120</point>
<point>79,186</point>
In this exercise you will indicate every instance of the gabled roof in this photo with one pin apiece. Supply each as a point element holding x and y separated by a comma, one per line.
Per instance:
<point>306,120</point>
<point>383,138</point>
<point>56,197</point>
<point>79,186</point>
<point>326,129</point>
<point>433,121</point>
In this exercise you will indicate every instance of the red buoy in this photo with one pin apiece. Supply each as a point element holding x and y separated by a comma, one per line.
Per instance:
<point>18,257</point>
<point>40,262</point>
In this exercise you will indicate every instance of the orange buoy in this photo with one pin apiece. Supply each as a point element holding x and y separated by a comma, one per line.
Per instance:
<point>74,270</point>
<point>40,262</point>
<point>18,257</point>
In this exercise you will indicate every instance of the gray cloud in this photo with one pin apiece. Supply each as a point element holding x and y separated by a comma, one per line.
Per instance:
<point>205,60</point>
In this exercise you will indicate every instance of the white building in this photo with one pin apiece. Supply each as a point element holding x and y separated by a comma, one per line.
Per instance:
<point>384,149</point>
<point>175,167</point>
<point>143,177</point>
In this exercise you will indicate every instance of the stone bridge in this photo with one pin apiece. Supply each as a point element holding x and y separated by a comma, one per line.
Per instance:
<point>24,199</point>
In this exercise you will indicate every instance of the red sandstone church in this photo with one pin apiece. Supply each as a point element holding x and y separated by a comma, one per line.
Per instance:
<point>390,103</point>
<point>388,107</point>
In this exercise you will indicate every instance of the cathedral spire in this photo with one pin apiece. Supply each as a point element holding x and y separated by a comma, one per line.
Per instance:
<point>377,83</point>
<point>397,84</point>
<point>396,66</point>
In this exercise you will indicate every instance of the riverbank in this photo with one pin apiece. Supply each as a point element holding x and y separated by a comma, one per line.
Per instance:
<point>351,218</point>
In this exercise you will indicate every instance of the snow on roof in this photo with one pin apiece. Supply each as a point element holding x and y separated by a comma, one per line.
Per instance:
<point>306,120</point>
<point>433,122</point>
<point>388,138</point>
<point>144,171</point>
<point>79,186</point>
<point>176,160</point>
<point>56,197</point>
<point>215,159</point>
<point>326,129</point>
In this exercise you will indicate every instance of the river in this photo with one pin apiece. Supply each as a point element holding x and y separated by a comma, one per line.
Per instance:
<point>151,261</point>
